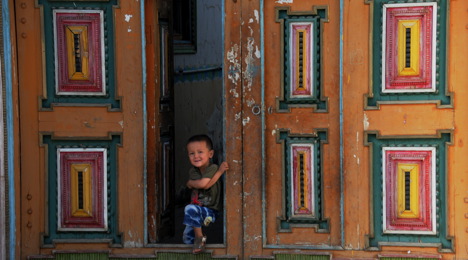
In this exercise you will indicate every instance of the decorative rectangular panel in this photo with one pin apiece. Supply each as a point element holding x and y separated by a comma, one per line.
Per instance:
<point>82,189</point>
<point>409,194</point>
<point>302,168</point>
<point>409,190</point>
<point>302,180</point>
<point>79,52</point>
<point>408,52</point>
<point>301,66</point>
<point>301,58</point>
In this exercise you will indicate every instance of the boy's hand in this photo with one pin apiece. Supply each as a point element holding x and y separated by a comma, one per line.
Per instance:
<point>223,167</point>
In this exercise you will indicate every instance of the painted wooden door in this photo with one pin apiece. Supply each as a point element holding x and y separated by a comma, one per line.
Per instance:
<point>81,124</point>
<point>357,152</point>
<point>160,120</point>
<point>290,125</point>
<point>301,125</point>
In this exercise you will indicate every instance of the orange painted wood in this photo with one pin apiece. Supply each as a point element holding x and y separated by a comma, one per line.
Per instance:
<point>302,121</point>
<point>233,128</point>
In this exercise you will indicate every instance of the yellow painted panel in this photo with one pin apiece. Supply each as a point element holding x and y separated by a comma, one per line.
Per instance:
<point>305,192</point>
<point>413,169</point>
<point>82,31</point>
<point>415,27</point>
<point>298,61</point>
<point>87,209</point>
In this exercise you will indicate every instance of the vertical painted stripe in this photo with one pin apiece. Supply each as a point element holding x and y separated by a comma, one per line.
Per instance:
<point>341,128</point>
<point>224,116</point>
<point>145,118</point>
<point>9,124</point>
<point>262,68</point>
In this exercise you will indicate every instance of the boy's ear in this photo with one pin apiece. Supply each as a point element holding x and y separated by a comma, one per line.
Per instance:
<point>211,153</point>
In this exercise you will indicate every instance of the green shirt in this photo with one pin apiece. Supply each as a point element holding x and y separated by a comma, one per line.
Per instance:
<point>209,198</point>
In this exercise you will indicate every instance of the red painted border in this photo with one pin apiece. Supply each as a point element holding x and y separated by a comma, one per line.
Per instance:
<point>424,160</point>
<point>96,160</point>
<point>424,80</point>
<point>95,82</point>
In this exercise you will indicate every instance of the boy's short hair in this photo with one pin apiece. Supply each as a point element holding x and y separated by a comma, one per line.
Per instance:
<point>201,138</point>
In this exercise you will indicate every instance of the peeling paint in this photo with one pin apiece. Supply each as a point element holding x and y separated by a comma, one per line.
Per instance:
<point>249,61</point>
<point>250,102</point>
<point>234,93</point>
<point>245,121</point>
<point>128,17</point>
<point>121,123</point>
<point>284,1</point>
<point>366,122</point>
<point>251,20</point>
<point>235,66</point>
<point>257,52</point>
<point>273,132</point>
<point>237,116</point>
<point>129,30</point>
<point>133,244</point>
<point>256,16</point>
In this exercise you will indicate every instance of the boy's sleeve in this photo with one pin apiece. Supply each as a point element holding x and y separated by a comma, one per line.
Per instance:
<point>210,171</point>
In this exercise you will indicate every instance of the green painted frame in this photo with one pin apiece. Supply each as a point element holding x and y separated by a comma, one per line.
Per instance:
<point>317,16</point>
<point>52,235</point>
<point>49,99</point>
<point>286,221</point>
<point>376,238</point>
<point>374,98</point>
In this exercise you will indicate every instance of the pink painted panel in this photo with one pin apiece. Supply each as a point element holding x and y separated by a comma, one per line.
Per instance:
<point>424,81</point>
<point>95,82</point>
<point>425,221</point>
<point>97,220</point>
<point>302,194</point>
<point>307,70</point>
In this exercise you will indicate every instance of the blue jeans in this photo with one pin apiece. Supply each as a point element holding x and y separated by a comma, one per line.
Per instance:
<point>194,217</point>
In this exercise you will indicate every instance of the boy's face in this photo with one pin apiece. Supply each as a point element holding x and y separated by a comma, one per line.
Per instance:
<point>199,154</point>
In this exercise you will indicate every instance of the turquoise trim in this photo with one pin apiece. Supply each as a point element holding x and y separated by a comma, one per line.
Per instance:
<point>441,95</point>
<point>9,126</point>
<point>289,220</point>
<point>52,234</point>
<point>286,101</point>
<point>145,120</point>
<point>262,82</point>
<point>441,239</point>
<point>223,10</point>
<point>341,126</point>
<point>110,99</point>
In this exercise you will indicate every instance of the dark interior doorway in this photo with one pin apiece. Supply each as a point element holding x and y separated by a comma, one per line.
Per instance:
<point>191,102</point>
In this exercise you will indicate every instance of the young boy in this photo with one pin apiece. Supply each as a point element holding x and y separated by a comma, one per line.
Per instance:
<point>206,199</point>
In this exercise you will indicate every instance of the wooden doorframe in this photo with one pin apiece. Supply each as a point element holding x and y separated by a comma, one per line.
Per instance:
<point>242,77</point>
<point>152,111</point>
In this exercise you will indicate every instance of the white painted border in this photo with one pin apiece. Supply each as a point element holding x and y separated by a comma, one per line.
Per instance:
<point>103,62</point>
<point>104,188</point>
<point>311,178</point>
<point>311,55</point>
<point>434,47</point>
<point>433,190</point>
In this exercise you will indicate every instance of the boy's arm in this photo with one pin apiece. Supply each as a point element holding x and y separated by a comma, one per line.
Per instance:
<point>206,183</point>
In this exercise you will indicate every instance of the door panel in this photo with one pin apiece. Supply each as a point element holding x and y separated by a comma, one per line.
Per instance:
<point>81,142</point>
<point>160,124</point>
<point>302,187</point>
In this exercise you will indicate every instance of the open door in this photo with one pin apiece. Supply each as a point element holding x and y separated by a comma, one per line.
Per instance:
<point>160,122</point>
